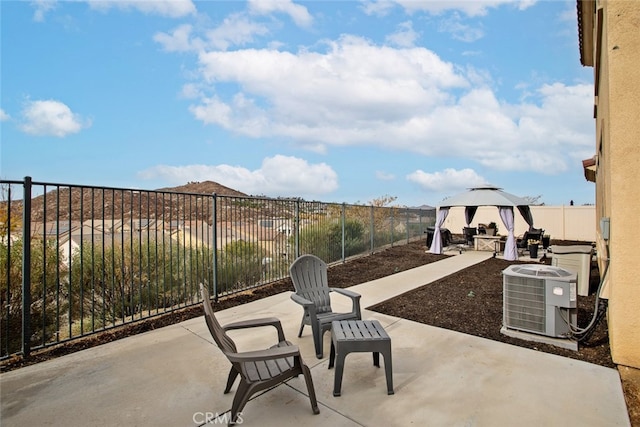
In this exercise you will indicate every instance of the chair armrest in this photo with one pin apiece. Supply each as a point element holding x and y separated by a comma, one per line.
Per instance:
<point>253,323</point>
<point>309,306</point>
<point>355,300</point>
<point>301,300</point>
<point>347,292</point>
<point>268,354</point>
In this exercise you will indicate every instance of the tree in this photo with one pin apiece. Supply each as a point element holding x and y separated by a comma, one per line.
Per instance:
<point>9,221</point>
<point>534,200</point>
<point>111,283</point>
<point>240,265</point>
<point>325,240</point>
<point>45,270</point>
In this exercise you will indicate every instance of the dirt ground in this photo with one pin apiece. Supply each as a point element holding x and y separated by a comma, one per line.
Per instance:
<point>469,301</point>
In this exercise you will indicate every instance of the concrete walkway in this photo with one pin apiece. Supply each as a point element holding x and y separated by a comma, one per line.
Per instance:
<point>174,376</point>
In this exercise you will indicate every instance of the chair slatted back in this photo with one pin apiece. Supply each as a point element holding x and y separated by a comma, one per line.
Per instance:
<point>309,276</point>
<point>535,234</point>
<point>221,338</point>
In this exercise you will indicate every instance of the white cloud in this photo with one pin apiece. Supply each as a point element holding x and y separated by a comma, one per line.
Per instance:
<point>51,118</point>
<point>446,180</point>
<point>235,30</point>
<point>168,8</point>
<point>41,8</point>
<point>568,15</point>
<point>344,96</point>
<point>409,99</point>
<point>468,7</point>
<point>179,40</point>
<point>405,36</point>
<point>213,111</point>
<point>561,120</point>
<point>278,176</point>
<point>385,176</point>
<point>459,30</point>
<point>299,14</point>
<point>190,91</point>
<point>377,7</point>
<point>526,4</point>
<point>4,116</point>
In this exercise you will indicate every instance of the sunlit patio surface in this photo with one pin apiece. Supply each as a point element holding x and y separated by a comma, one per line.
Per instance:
<point>175,376</point>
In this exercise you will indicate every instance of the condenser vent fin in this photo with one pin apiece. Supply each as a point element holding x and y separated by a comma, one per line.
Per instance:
<point>525,304</point>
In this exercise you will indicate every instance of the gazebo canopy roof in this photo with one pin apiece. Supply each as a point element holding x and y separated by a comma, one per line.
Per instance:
<point>487,195</point>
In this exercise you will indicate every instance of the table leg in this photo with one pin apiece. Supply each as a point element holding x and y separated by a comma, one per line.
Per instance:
<point>332,355</point>
<point>337,379</point>
<point>388,369</point>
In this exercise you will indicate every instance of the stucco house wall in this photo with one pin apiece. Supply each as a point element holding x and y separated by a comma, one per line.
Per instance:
<point>610,43</point>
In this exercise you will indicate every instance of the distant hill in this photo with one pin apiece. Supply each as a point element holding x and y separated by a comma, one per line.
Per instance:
<point>92,202</point>
<point>424,207</point>
<point>205,187</point>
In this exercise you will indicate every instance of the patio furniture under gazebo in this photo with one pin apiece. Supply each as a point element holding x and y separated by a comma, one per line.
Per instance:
<point>485,196</point>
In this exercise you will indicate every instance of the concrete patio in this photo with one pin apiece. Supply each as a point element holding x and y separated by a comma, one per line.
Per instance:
<point>174,376</point>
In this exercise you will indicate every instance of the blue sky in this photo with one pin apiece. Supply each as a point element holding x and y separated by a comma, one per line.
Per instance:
<point>337,101</point>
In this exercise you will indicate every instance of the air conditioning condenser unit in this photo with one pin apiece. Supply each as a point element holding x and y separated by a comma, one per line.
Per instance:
<point>540,304</point>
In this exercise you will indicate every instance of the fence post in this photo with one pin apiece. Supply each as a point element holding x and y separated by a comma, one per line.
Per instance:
<point>214,233</point>
<point>26,267</point>
<point>393,237</point>
<point>406,214</point>
<point>297,230</point>
<point>564,223</point>
<point>342,215</point>
<point>373,229</point>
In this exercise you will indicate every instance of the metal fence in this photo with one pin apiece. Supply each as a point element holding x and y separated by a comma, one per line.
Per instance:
<point>101,257</point>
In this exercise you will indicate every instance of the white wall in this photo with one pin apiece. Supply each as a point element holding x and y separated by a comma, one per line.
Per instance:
<point>560,222</point>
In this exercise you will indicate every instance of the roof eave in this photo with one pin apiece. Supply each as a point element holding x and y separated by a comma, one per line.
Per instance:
<point>586,21</point>
<point>590,168</point>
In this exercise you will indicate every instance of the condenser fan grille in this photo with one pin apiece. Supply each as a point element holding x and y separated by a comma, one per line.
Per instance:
<point>524,303</point>
<point>540,271</point>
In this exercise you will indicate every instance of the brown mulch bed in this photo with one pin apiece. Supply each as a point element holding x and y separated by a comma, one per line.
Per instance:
<point>470,301</point>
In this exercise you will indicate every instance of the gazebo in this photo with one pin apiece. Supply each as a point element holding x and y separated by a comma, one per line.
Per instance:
<point>487,195</point>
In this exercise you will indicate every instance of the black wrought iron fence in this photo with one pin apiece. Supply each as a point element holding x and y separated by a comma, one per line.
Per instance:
<point>100,257</point>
